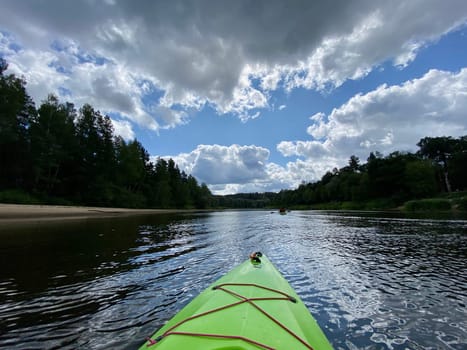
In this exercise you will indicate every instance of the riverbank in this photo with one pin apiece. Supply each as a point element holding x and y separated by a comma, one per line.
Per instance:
<point>10,213</point>
<point>449,202</point>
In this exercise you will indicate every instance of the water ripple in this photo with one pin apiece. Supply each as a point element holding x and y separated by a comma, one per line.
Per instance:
<point>371,281</point>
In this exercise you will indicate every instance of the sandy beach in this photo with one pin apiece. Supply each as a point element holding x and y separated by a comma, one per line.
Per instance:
<point>20,213</point>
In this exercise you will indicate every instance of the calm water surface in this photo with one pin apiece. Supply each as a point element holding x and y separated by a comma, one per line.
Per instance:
<point>371,281</point>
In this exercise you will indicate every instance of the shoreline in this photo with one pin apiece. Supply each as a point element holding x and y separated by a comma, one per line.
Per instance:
<point>11,213</point>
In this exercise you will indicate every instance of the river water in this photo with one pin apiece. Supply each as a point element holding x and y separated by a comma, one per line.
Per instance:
<point>372,281</point>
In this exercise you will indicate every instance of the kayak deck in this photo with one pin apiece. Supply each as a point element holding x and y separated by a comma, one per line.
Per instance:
<point>251,307</point>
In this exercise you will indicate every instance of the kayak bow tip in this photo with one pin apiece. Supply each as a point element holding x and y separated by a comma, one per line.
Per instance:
<point>255,258</point>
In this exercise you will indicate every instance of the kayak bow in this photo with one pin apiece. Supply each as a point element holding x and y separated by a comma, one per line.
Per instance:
<point>252,307</point>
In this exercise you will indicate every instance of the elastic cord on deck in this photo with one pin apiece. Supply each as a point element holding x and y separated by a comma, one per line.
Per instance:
<point>243,299</point>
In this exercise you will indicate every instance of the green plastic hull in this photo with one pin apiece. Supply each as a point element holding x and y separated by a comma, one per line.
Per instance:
<point>265,313</point>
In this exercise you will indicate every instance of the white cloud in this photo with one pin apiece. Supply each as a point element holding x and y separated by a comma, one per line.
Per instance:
<point>106,85</point>
<point>228,55</point>
<point>221,165</point>
<point>123,129</point>
<point>387,119</point>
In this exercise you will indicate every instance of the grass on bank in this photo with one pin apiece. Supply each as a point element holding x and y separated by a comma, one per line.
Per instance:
<point>431,204</point>
<point>445,202</point>
<point>375,204</point>
<point>22,197</point>
<point>17,197</point>
<point>456,201</point>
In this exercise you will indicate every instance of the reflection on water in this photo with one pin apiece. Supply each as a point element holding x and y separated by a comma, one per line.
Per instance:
<point>372,281</point>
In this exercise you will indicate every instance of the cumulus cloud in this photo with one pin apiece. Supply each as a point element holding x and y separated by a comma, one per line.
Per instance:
<point>221,165</point>
<point>229,55</point>
<point>387,119</point>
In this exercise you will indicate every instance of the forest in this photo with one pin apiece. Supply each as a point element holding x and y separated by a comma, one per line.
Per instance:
<point>56,154</point>
<point>438,167</point>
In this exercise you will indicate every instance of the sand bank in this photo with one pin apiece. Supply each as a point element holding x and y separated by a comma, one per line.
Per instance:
<point>19,212</point>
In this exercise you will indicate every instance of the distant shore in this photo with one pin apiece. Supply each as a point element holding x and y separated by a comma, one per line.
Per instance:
<point>10,213</point>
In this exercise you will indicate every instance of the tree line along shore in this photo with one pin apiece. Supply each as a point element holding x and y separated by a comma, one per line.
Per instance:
<point>432,179</point>
<point>55,154</point>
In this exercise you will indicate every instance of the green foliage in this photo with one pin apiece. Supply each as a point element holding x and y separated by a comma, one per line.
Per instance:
<point>461,203</point>
<point>454,195</point>
<point>379,204</point>
<point>16,113</point>
<point>457,166</point>
<point>246,200</point>
<point>328,206</point>
<point>53,147</point>
<point>435,204</point>
<point>450,155</point>
<point>458,199</point>
<point>124,198</point>
<point>420,179</point>
<point>17,196</point>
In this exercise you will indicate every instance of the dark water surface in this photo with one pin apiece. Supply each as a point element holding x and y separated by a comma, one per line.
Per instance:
<point>371,281</point>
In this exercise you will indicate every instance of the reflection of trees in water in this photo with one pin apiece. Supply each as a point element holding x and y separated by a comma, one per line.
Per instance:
<point>78,250</point>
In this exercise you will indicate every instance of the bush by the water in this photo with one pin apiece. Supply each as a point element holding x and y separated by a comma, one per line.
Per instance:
<point>428,204</point>
<point>462,203</point>
<point>17,197</point>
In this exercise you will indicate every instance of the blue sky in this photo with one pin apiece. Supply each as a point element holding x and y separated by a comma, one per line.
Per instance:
<point>251,95</point>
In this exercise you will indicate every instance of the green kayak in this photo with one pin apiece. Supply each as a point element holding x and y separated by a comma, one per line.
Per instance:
<point>252,307</point>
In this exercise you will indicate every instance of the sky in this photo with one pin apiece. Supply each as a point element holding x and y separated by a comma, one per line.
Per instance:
<point>251,96</point>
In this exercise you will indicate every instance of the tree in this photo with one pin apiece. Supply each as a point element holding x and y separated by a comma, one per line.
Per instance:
<point>174,183</point>
<point>204,197</point>
<point>439,150</point>
<point>106,161</point>
<point>16,112</point>
<point>457,164</point>
<point>53,146</point>
<point>420,179</point>
<point>354,163</point>
<point>163,192</point>
<point>131,168</point>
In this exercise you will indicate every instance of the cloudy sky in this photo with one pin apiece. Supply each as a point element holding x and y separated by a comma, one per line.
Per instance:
<point>251,95</point>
